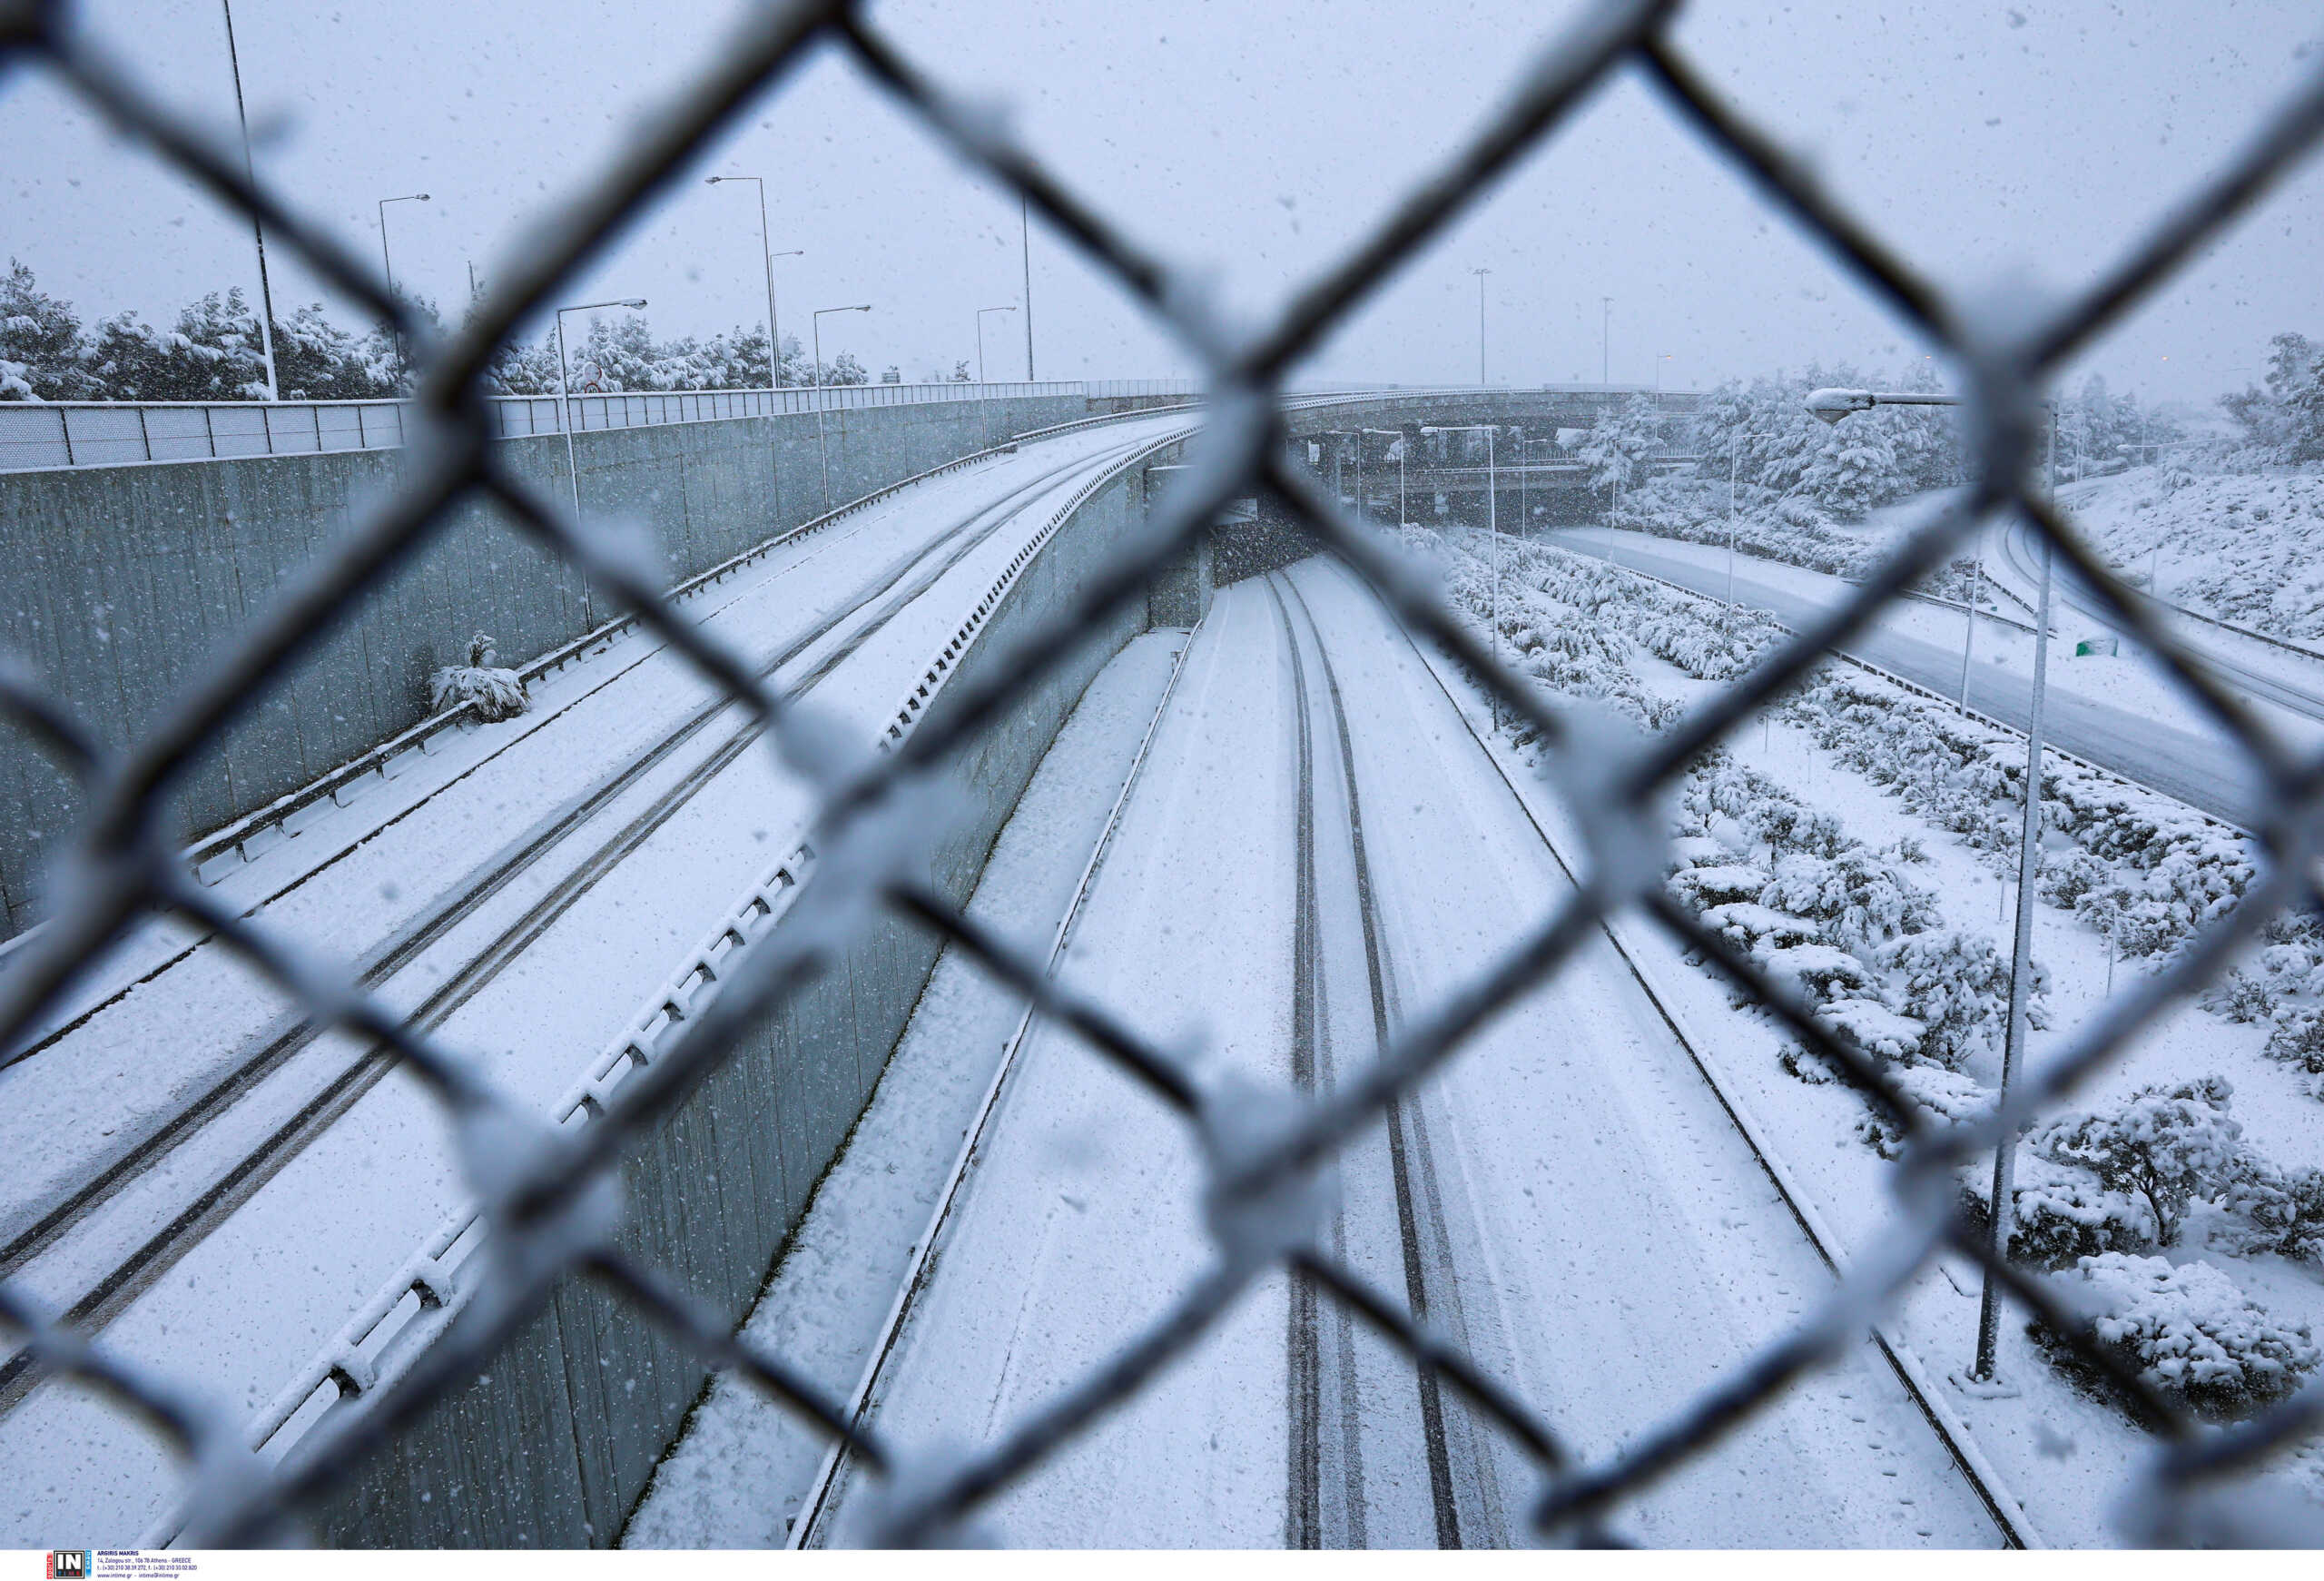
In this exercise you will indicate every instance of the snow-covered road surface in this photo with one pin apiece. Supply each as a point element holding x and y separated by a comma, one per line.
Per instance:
<point>2178,758</point>
<point>2289,680</point>
<point>1317,849</point>
<point>217,1188</point>
<point>744,1463</point>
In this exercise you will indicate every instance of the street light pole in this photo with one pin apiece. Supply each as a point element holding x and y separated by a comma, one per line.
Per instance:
<point>258,230</point>
<point>981,313</point>
<point>1480,274</point>
<point>1605,339</point>
<point>822,449</point>
<point>1831,406</point>
<point>565,421</point>
<point>1025,249</point>
<point>773,324</point>
<point>402,371</point>
<point>2021,957</point>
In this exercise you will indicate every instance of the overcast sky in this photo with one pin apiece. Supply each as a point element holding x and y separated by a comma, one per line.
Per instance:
<point>1254,138</point>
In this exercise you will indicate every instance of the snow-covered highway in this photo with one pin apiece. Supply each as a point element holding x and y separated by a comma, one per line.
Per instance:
<point>242,1184</point>
<point>2177,755</point>
<point>1318,846</point>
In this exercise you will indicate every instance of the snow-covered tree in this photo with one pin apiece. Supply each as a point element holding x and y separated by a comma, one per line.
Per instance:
<point>521,370</point>
<point>1620,442</point>
<point>316,359</point>
<point>2284,418</point>
<point>2166,1145</point>
<point>42,357</point>
<point>212,354</point>
<point>1856,471</point>
<point>844,369</point>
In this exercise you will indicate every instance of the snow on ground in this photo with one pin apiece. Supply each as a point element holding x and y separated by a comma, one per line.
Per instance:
<point>2243,548</point>
<point>1613,1247</point>
<point>2127,682</point>
<point>2113,716</point>
<point>320,1236</point>
<point>2066,1454</point>
<point>739,1472</point>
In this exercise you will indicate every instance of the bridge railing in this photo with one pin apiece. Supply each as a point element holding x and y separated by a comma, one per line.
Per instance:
<point>34,436</point>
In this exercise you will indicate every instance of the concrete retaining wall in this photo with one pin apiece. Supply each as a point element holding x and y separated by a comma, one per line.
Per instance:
<point>116,583</point>
<point>553,1444</point>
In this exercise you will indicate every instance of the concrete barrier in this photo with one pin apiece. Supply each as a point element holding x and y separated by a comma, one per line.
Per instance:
<point>553,1443</point>
<point>119,583</point>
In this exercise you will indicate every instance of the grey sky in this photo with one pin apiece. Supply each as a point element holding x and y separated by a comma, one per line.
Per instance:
<point>1258,138</point>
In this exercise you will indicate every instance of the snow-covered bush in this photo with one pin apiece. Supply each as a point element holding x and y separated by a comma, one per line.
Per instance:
<point>1787,826</point>
<point>1956,984</point>
<point>2298,1039</point>
<point>2165,1145</point>
<point>2060,1213</point>
<point>491,693</point>
<point>2189,1333</point>
<point>1701,888</point>
<point>2240,997</point>
<point>1944,1097</point>
<point>1820,974</point>
<point>1890,1038</point>
<point>2166,870</point>
<point>2273,1211</point>
<point>1860,895</point>
<point>2063,877</point>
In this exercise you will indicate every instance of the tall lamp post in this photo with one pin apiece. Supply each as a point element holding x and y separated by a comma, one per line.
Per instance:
<point>1831,406</point>
<point>1493,527</point>
<point>389,265</point>
<point>773,325</point>
<point>565,387</point>
<point>1025,248</point>
<point>1480,274</point>
<point>258,230</point>
<point>1605,339</point>
<point>981,313</point>
<point>823,450</point>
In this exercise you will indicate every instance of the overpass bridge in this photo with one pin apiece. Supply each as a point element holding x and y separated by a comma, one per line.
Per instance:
<point>202,1172</point>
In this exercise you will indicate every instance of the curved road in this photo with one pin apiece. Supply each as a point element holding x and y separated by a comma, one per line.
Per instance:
<point>2023,554</point>
<point>2204,770</point>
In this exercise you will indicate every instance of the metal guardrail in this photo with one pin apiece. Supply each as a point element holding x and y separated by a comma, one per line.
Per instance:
<point>40,435</point>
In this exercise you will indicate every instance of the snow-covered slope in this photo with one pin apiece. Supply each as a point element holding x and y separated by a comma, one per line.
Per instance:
<point>2239,548</point>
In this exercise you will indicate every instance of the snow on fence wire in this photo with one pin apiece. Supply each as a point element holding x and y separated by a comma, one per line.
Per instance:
<point>90,433</point>
<point>545,1194</point>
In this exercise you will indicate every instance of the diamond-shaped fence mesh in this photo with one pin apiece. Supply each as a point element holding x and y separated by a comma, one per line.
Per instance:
<point>546,1195</point>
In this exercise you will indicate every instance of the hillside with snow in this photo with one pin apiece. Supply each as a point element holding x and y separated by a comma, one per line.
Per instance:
<point>2243,548</point>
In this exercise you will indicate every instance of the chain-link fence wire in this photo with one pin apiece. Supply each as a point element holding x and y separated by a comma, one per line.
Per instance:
<point>550,1199</point>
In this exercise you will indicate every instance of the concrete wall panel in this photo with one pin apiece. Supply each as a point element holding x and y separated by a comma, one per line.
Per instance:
<point>118,583</point>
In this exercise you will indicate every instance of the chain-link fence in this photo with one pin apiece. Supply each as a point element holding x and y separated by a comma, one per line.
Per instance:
<point>547,1196</point>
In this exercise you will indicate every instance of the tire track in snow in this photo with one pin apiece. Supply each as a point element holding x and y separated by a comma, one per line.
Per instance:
<point>1406,1159</point>
<point>103,1297</point>
<point>1999,1504</point>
